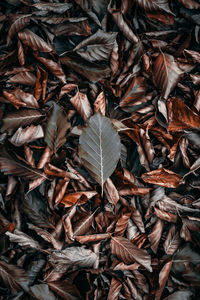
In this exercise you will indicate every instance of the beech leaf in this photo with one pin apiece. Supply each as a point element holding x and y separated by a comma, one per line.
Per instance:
<point>95,148</point>
<point>166,74</point>
<point>128,252</point>
<point>97,47</point>
<point>13,277</point>
<point>57,125</point>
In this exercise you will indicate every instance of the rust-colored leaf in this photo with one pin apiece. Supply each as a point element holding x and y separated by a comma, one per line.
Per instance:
<point>162,177</point>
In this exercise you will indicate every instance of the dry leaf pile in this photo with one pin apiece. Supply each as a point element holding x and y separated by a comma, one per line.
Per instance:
<point>99,154</point>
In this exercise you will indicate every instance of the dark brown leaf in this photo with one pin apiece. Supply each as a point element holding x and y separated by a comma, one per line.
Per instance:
<point>65,290</point>
<point>13,166</point>
<point>32,40</point>
<point>97,47</point>
<point>23,117</point>
<point>128,252</point>
<point>166,74</point>
<point>19,23</point>
<point>172,241</point>
<point>13,277</point>
<point>56,128</point>
<point>154,5</point>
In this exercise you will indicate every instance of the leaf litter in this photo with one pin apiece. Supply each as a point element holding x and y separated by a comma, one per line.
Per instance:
<point>99,149</point>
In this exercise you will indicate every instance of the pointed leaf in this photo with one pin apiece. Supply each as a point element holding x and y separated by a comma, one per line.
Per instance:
<point>172,240</point>
<point>97,47</point>
<point>162,177</point>
<point>13,166</point>
<point>23,239</point>
<point>96,143</point>
<point>129,253</point>
<point>32,40</point>
<point>27,135</point>
<point>166,74</point>
<point>82,105</point>
<point>19,23</point>
<point>180,116</point>
<point>65,290</point>
<point>56,128</point>
<point>13,277</point>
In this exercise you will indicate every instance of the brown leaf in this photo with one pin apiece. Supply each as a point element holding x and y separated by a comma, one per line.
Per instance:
<point>27,135</point>
<point>56,128</point>
<point>46,236</point>
<point>27,98</point>
<point>164,215</point>
<point>122,224</point>
<point>193,55</point>
<point>180,116</point>
<point>72,256</point>
<point>82,105</point>
<point>163,276</point>
<point>13,166</point>
<point>190,4</point>
<point>166,74</point>
<point>54,67</point>
<point>123,26</point>
<point>13,100</point>
<point>21,55</point>
<point>65,290</point>
<point>27,78</point>
<point>83,225</point>
<point>114,290</point>
<point>23,117</point>
<point>32,40</point>
<point>100,103</point>
<point>111,192</point>
<point>162,177</point>
<point>92,71</point>
<point>60,190</point>
<point>19,23</point>
<point>128,252</point>
<point>172,240</point>
<point>97,47</point>
<point>92,238</point>
<point>155,235</point>
<point>23,239</point>
<point>71,199</point>
<point>154,5</point>
<point>135,92</point>
<point>13,277</point>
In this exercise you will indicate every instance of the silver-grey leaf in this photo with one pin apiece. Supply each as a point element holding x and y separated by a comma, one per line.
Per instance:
<point>96,145</point>
<point>72,256</point>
